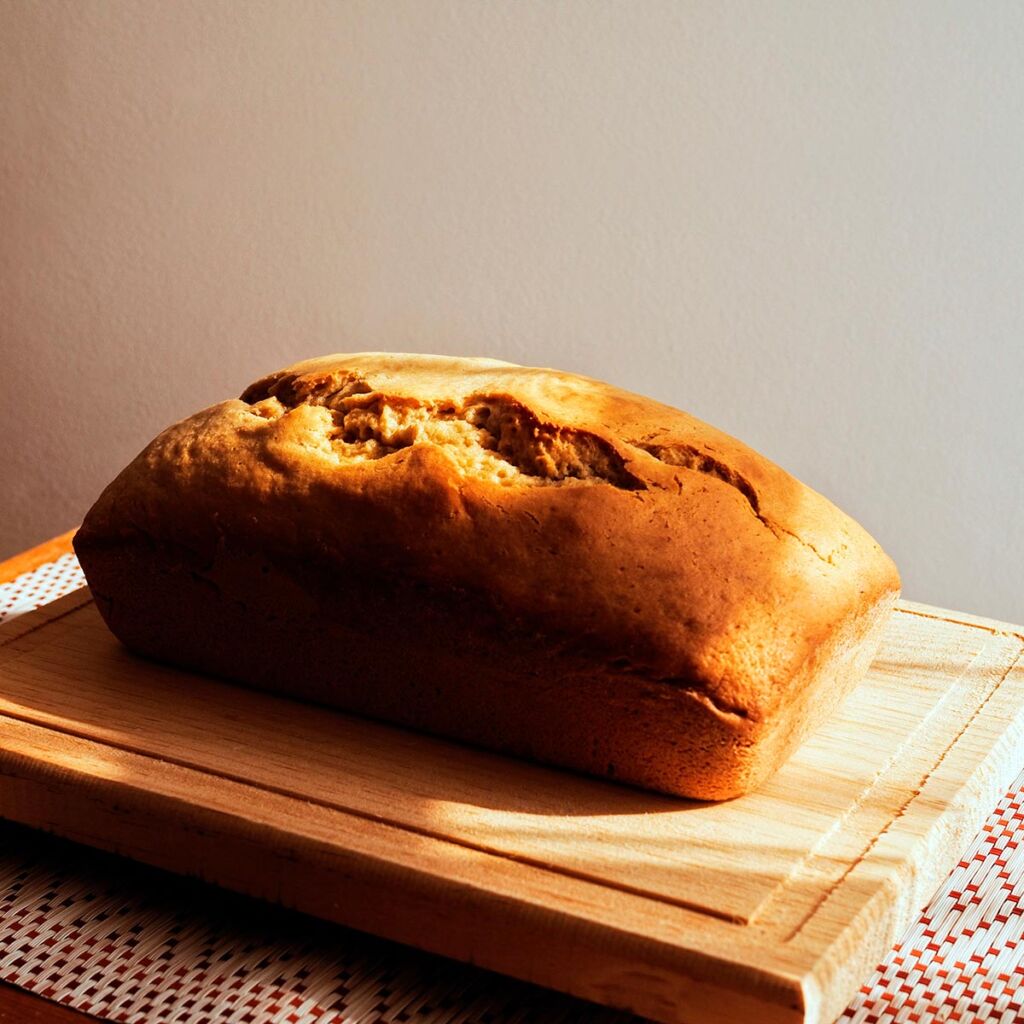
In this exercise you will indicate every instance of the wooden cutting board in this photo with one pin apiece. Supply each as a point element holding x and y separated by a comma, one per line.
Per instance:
<point>774,907</point>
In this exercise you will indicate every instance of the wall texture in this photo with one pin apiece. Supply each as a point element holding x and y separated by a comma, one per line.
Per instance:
<point>802,222</point>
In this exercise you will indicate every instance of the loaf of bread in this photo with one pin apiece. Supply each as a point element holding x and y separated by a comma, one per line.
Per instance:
<point>519,558</point>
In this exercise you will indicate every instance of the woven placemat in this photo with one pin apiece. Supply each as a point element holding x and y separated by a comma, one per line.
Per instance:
<point>128,943</point>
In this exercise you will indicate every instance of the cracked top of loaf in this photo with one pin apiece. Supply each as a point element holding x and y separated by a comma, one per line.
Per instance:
<point>578,510</point>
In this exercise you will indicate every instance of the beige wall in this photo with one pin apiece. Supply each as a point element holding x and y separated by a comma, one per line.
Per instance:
<point>802,221</point>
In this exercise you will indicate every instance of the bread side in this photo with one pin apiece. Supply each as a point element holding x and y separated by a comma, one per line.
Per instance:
<point>520,558</point>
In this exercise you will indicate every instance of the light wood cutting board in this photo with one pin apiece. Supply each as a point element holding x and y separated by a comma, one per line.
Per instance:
<point>774,907</point>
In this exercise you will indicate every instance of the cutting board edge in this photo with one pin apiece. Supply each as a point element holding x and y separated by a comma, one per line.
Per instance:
<point>913,881</point>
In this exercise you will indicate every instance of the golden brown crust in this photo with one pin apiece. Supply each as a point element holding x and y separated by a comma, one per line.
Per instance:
<point>671,554</point>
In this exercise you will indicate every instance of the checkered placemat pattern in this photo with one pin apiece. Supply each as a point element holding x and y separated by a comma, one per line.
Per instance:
<point>33,589</point>
<point>125,942</point>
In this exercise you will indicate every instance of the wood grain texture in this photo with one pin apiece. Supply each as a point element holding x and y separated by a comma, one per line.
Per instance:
<point>771,907</point>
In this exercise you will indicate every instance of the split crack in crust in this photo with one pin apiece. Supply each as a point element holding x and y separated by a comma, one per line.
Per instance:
<point>492,436</point>
<point>489,435</point>
<point>687,457</point>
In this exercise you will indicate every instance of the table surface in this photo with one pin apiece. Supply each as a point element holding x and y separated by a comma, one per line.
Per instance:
<point>959,962</point>
<point>20,1007</point>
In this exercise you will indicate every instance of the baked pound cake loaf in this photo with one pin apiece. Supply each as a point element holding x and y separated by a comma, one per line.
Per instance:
<point>523,559</point>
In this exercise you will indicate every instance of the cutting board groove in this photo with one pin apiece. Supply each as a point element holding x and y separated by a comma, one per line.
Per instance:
<point>773,907</point>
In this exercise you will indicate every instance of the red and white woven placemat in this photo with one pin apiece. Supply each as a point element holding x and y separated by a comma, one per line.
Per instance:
<point>128,943</point>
